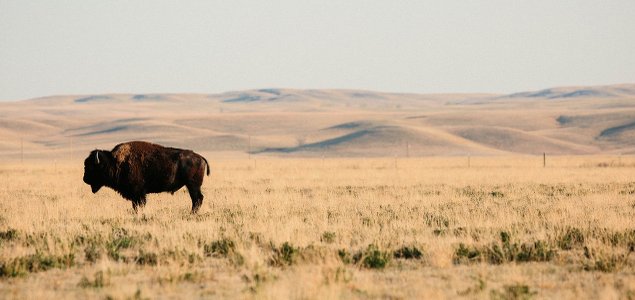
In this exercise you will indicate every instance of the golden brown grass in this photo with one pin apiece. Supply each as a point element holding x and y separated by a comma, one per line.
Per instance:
<point>504,228</point>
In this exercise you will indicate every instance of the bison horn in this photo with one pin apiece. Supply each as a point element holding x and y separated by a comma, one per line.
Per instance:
<point>97,157</point>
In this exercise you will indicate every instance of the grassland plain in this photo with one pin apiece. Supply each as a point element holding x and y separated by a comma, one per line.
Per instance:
<point>504,228</point>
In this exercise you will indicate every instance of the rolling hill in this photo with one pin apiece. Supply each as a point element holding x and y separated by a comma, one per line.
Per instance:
<point>352,123</point>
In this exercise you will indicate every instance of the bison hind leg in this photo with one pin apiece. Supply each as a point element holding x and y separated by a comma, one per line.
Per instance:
<point>142,201</point>
<point>197,197</point>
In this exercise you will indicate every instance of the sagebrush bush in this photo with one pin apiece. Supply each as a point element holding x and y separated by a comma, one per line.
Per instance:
<point>408,253</point>
<point>224,248</point>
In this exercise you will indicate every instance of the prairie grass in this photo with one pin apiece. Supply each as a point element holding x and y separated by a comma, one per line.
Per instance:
<point>505,228</point>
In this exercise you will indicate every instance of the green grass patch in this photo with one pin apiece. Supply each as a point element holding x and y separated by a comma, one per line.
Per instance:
<point>120,239</point>
<point>505,251</point>
<point>37,262</point>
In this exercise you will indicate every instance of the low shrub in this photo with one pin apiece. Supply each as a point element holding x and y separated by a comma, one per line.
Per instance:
<point>371,257</point>
<point>465,254</point>
<point>224,248</point>
<point>8,235</point>
<point>408,253</point>
<point>284,255</point>
<point>147,258</point>
<point>219,248</point>
<point>328,237</point>
<point>572,238</point>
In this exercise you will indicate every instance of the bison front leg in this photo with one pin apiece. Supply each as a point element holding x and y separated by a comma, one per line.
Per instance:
<point>135,204</point>
<point>197,197</point>
<point>138,202</point>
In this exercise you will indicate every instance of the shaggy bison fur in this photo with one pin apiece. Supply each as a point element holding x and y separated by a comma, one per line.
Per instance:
<point>135,169</point>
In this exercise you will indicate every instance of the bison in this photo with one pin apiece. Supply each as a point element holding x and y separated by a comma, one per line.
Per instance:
<point>135,169</point>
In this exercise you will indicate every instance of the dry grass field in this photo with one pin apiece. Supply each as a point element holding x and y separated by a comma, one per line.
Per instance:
<point>328,194</point>
<point>270,228</point>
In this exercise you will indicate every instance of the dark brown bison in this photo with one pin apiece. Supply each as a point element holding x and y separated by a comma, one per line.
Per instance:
<point>135,169</point>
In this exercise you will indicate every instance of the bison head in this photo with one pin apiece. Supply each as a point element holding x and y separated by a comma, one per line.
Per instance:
<point>96,167</point>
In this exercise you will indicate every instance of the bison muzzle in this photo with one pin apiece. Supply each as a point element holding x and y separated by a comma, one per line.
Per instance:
<point>135,169</point>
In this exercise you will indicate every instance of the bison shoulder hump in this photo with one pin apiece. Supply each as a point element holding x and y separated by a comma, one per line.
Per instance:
<point>121,152</point>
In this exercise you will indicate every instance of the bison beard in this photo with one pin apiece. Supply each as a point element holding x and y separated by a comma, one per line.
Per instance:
<point>135,169</point>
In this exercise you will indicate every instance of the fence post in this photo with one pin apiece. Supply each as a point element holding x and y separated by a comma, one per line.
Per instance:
<point>544,160</point>
<point>249,147</point>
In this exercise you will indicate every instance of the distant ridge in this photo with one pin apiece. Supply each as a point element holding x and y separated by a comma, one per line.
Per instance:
<point>621,90</point>
<point>351,123</point>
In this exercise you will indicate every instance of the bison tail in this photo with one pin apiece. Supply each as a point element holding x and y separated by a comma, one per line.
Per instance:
<point>206,164</point>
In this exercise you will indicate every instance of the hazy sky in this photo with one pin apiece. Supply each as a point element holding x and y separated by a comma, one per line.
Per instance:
<point>89,47</point>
